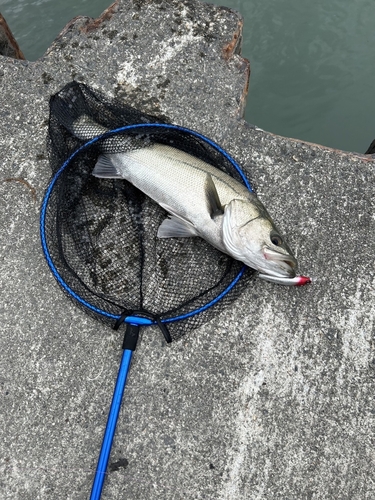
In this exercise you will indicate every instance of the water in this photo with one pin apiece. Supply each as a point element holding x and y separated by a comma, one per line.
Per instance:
<point>312,63</point>
<point>36,23</point>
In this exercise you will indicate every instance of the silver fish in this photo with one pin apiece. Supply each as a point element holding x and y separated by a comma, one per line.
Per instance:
<point>201,201</point>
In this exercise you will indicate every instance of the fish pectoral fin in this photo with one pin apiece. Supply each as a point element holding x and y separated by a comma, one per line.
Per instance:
<point>176,227</point>
<point>105,168</point>
<point>214,206</point>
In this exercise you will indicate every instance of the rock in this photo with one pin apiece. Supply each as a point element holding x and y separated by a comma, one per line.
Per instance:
<point>371,149</point>
<point>271,399</point>
<point>8,45</point>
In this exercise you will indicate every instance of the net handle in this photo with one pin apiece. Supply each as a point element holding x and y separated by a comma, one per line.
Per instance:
<point>101,468</point>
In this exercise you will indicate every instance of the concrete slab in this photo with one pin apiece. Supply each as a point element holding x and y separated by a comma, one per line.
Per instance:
<point>274,398</point>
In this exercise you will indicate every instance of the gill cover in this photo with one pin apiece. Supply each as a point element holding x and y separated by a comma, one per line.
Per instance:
<point>249,235</point>
<point>237,214</point>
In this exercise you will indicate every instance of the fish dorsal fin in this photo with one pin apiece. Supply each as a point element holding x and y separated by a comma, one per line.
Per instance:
<point>105,168</point>
<point>214,205</point>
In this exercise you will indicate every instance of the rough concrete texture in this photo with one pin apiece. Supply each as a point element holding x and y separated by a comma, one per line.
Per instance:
<point>274,398</point>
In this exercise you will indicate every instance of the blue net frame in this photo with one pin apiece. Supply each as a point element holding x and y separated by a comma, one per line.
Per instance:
<point>136,320</point>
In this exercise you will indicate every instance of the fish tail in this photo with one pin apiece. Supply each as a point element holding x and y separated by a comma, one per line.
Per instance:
<point>69,109</point>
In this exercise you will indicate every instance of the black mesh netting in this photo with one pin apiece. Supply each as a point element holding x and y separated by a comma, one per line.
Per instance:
<point>101,233</point>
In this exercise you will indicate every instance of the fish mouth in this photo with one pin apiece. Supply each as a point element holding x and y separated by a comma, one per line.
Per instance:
<point>283,265</point>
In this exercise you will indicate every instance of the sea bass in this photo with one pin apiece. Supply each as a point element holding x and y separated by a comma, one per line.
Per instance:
<point>201,200</point>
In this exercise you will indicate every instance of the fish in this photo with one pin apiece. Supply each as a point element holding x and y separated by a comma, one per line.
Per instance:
<point>201,200</point>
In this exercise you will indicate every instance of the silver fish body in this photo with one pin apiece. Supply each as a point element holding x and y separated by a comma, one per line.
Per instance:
<point>202,201</point>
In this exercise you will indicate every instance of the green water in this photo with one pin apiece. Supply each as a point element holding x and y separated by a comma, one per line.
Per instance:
<point>312,63</point>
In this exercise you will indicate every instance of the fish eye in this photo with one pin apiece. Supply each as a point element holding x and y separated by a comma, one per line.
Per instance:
<point>276,240</point>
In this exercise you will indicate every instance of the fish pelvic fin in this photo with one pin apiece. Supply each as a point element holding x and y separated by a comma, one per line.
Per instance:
<point>105,168</point>
<point>214,205</point>
<point>176,227</point>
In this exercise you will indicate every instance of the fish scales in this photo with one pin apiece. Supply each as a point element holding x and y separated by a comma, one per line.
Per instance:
<point>201,200</point>
<point>178,180</point>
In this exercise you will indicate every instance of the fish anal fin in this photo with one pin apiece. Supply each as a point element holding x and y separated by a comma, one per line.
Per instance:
<point>104,168</point>
<point>175,227</point>
<point>214,205</point>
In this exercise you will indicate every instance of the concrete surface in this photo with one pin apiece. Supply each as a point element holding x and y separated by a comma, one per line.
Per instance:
<point>274,398</point>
